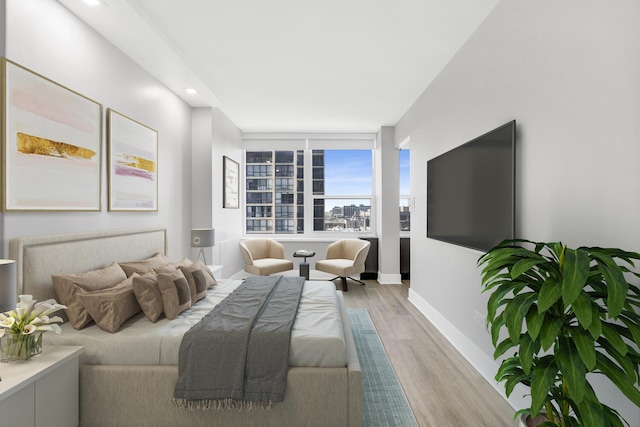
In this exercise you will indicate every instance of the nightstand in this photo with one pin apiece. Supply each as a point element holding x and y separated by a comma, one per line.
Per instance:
<point>216,270</point>
<point>42,391</point>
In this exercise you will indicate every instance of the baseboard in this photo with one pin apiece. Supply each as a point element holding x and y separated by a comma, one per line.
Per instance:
<point>485,365</point>
<point>389,279</point>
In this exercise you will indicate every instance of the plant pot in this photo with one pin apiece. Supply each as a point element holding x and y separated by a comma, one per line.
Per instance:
<point>525,420</point>
<point>19,347</point>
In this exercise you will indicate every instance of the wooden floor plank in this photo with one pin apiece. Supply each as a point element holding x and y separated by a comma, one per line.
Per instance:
<point>443,389</point>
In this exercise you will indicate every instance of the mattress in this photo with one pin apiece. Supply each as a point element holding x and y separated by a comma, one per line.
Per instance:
<point>317,338</point>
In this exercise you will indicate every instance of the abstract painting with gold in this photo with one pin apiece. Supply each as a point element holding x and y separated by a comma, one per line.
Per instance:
<point>133,164</point>
<point>51,143</point>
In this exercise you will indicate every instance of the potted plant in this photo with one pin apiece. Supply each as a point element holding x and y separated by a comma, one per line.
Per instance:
<point>566,313</point>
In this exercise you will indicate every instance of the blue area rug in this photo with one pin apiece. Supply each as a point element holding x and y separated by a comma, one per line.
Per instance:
<point>385,404</point>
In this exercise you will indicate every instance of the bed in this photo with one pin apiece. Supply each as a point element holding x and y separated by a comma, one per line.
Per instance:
<point>117,389</point>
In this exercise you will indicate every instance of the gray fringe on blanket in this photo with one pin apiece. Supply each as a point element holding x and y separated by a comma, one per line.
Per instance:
<point>220,404</point>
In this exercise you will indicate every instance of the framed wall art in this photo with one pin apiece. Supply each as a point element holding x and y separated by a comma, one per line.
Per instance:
<point>51,144</point>
<point>231,183</point>
<point>133,164</point>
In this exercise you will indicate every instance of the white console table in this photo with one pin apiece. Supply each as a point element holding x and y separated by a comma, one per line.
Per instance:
<point>43,391</point>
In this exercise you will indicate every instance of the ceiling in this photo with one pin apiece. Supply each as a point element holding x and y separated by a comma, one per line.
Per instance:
<point>292,65</point>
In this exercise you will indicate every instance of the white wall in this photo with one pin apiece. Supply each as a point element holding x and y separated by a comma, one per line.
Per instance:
<point>568,73</point>
<point>387,187</point>
<point>215,136</point>
<point>227,141</point>
<point>45,37</point>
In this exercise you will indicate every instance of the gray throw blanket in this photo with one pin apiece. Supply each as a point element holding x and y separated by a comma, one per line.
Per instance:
<point>237,356</point>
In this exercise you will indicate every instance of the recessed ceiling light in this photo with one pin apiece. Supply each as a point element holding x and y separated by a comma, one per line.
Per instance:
<point>190,90</point>
<point>93,3</point>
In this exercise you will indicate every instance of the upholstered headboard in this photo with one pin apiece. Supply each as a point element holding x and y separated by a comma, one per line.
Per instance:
<point>38,257</point>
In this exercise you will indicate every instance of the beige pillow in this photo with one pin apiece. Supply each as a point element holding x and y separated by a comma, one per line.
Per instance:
<point>165,269</point>
<point>211,280</point>
<point>148,295</point>
<point>69,287</point>
<point>195,278</point>
<point>111,307</point>
<point>176,295</point>
<point>208,275</point>
<point>146,265</point>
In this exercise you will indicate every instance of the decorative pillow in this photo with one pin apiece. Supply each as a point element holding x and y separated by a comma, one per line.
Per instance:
<point>165,269</point>
<point>69,287</point>
<point>211,280</point>
<point>208,275</point>
<point>146,265</point>
<point>176,295</point>
<point>148,295</point>
<point>196,280</point>
<point>112,306</point>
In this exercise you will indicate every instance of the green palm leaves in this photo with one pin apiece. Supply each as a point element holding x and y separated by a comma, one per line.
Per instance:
<point>566,313</point>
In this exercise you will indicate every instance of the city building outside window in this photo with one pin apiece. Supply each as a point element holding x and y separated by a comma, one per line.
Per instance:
<point>339,194</point>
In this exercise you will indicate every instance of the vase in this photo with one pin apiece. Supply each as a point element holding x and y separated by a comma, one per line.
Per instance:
<point>527,421</point>
<point>20,347</point>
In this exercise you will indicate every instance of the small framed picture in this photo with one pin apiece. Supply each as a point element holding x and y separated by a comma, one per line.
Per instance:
<point>231,183</point>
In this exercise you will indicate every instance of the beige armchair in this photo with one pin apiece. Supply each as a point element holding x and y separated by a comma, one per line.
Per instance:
<point>263,257</point>
<point>345,258</point>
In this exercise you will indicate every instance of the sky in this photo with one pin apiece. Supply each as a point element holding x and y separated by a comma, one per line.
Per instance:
<point>348,172</point>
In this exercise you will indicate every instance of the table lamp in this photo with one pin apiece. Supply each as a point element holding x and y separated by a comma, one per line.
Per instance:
<point>203,238</point>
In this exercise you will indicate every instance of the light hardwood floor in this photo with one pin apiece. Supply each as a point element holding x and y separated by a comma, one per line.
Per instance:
<point>441,386</point>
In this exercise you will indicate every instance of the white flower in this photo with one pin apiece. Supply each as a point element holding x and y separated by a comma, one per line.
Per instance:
<point>47,307</point>
<point>44,328</point>
<point>7,322</point>
<point>25,300</point>
<point>28,329</point>
<point>30,316</point>
<point>55,319</point>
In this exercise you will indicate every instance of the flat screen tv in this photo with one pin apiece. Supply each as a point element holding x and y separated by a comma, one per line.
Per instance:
<point>471,191</point>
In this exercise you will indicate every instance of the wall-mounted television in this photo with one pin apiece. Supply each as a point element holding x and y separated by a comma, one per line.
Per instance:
<point>471,191</point>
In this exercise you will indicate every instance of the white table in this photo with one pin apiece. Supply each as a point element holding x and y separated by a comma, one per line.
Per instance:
<point>42,391</point>
<point>216,270</point>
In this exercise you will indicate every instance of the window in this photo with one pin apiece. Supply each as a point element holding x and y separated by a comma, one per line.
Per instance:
<point>259,211</point>
<point>342,190</point>
<point>259,226</point>
<point>346,215</point>
<point>284,184</point>
<point>333,187</point>
<point>405,191</point>
<point>271,191</point>
<point>259,170</point>
<point>259,184</point>
<point>285,211</point>
<point>259,198</point>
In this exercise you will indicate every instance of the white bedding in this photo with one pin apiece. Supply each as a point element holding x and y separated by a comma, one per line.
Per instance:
<point>317,339</point>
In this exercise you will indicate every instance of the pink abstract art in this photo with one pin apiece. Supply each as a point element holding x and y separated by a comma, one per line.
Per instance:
<point>52,144</point>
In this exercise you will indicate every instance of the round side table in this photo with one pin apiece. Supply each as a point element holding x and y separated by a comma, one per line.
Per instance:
<point>304,265</point>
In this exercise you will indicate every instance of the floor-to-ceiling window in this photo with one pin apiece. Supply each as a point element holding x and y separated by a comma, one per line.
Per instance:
<point>310,190</point>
